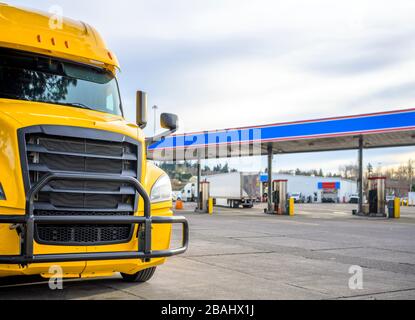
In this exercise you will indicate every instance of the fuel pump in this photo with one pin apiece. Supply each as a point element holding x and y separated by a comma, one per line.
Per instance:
<point>377,196</point>
<point>279,197</point>
<point>204,205</point>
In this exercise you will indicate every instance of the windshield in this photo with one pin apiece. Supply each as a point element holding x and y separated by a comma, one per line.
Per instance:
<point>31,77</point>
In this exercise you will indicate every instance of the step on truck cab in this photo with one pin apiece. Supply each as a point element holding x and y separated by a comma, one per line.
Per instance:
<point>76,190</point>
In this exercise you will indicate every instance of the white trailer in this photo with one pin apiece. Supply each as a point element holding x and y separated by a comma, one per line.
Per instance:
<point>234,189</point>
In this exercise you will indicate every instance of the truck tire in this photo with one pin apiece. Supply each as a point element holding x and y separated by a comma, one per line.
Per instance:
<point>141,276</point>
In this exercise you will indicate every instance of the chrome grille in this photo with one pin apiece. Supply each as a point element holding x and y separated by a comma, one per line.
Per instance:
<point>47,152</point>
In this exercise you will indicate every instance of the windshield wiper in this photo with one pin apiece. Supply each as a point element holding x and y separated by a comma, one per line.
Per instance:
<point>77,105</point>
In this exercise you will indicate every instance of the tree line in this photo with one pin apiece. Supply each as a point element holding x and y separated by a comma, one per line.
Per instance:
<point>404,173</point>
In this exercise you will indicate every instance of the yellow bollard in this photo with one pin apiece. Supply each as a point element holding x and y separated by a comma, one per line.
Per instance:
<point>292,202</point>
<point>210,206</point>
<point>397,209</point>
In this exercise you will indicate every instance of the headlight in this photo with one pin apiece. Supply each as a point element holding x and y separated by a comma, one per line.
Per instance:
<point>161,190</point>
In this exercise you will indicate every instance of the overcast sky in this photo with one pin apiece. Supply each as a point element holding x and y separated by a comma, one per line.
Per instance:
<point>229,63</point>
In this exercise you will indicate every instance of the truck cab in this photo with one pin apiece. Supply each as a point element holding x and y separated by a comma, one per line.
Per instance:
<point>76,189</point>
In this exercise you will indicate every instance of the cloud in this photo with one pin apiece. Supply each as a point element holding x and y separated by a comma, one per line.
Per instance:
<point>400,91</point>
<point>366,54</point>
<point>229,63</point>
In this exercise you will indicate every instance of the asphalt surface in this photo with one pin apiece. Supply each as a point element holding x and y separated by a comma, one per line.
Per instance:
<point>245,254</point>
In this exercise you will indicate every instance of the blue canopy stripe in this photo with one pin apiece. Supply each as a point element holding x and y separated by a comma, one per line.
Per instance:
<point>392,121</point>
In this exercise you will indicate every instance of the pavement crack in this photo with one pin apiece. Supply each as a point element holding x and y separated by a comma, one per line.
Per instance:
<point>407,264</point>
<point>340,248</point>
<point>254,237</point>
<point>227,254</point>
<point>392,250</point>
<point>122,290</point>
<point>305,288</point>
<point>374,294</point>
<point>230,269</point>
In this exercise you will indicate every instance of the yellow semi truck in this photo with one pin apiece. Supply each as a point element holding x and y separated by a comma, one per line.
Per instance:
<point>76,190</point>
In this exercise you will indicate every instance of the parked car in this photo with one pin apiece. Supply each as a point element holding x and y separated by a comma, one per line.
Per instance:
<point>354,198</point>
<point>329,197</point>
<point>328,200</point>
<point>298,198</point>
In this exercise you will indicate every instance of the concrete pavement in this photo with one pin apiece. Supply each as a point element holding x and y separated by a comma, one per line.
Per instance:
<point>245,254</point>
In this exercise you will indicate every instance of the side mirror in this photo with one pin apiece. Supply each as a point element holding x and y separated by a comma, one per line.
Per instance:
<point>141,108</point>
<point>169,121</point>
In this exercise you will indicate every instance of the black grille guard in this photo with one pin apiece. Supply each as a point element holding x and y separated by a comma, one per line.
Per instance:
<point>30,220</point>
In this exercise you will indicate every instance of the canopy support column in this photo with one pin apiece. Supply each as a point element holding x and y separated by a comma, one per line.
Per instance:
<point>199,180</point>
<point>360,178</point>
<point>270,159</point>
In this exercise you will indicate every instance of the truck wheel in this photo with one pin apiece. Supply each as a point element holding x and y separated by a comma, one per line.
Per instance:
<point>140,276</point>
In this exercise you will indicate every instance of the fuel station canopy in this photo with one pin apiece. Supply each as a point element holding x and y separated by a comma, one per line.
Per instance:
<point>379,130</point>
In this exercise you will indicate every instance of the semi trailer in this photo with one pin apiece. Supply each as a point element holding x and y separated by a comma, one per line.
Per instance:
<point>234,189</point>
<point>76,189</point>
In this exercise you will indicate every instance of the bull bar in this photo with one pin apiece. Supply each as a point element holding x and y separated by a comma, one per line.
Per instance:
<point>29,220</point>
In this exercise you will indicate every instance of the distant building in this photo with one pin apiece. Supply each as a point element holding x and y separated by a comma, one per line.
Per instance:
<point>307,188</point>
<point>318,189</point>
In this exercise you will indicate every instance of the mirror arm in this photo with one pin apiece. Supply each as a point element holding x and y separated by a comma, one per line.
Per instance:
<point>161,136</point>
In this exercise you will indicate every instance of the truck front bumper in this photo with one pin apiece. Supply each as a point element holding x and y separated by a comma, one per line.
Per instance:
<point>144,252</point>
